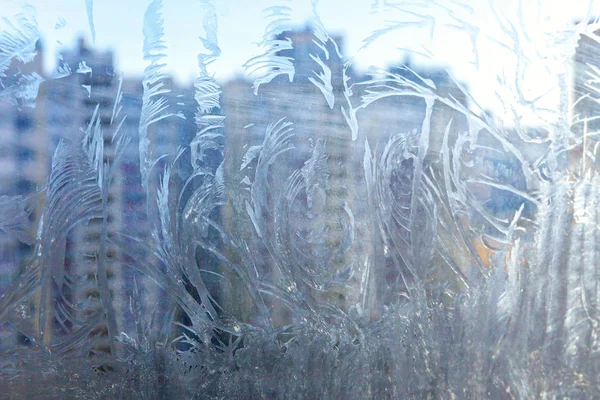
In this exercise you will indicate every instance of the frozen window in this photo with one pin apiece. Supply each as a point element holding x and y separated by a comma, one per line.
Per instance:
<point>299,199</point>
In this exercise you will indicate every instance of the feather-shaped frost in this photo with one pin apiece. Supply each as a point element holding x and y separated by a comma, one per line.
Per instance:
<point>275,143</point>
<point>316,173</point>
<point>14,217</point>
<point>155,106</point>
<point>207,93</point>
<point>269,64</point>
<point>19,41</point>
<point>73,195</point>
<point>322,80</point>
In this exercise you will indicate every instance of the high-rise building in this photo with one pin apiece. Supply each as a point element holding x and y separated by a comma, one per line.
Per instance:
<point>84,90</point>
<point>585,104</point>
<point>83,94</point>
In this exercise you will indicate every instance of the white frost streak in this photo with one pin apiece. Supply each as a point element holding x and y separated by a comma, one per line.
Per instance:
<point>324,82</point>
<point>324,79</point>
<point>207,90</point>
<point>277,141</point>
<point>24,92</point>
<point>154,104</point>
<point>316,174</point>
<point>207,93</point>
<point>84,68</point>
<point>250,155</point>
<point>18,41</point>
<point>62,71</point>
<point>350,113</point>
<point>270,64</point>
<point>60,23</point>
<point>14,217</point>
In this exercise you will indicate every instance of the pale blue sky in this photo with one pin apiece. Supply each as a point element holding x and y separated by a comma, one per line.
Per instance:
<point>118,26</point>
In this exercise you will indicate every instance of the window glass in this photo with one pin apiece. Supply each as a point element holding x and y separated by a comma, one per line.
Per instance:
<point>299,199</point>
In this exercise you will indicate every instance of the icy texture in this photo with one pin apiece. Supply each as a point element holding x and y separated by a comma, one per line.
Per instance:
<point>18,39</point>
<point>305,230</point>
<point>18,43</point>
<point>270,63</point>
<point>155,106</point>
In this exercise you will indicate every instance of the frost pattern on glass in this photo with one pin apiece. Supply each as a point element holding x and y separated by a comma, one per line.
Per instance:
<point>307,228</point>
<point>18,42</point>
<point>270,62</point>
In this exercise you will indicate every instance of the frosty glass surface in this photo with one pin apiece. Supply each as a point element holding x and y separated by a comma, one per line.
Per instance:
<point>299,199</point>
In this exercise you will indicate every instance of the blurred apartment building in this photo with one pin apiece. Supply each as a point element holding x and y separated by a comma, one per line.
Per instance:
<point>131,208</point>
<point>315,118</point>
<point>314,123</point>
<point>23,161</point>
<point>84,81</point>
